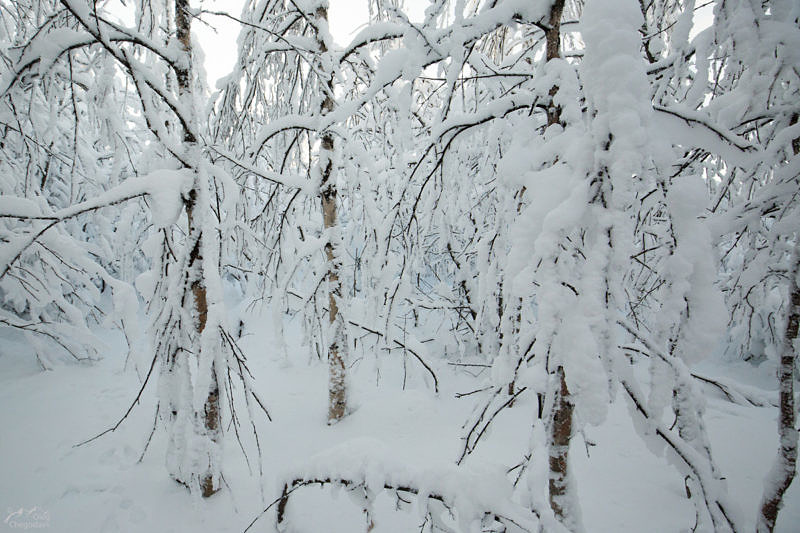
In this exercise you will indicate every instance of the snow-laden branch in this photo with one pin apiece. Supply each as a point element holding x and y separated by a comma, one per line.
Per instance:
<point>141,74</point>
<point>160,185</point>
<point>163,187</point>
<point>46,47</point>
<point>374,33</point>
<point>696,120</point>
<point>298,182</point>
<point>723,513</point>
<point>366,465</point>
<point>285,123</point>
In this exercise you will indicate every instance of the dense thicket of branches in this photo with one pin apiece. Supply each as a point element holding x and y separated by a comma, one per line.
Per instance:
<point>573,190</point>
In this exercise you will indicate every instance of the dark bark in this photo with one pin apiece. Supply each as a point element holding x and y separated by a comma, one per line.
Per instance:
<point>560,436</point>
<point>786,461</point>
<point>560,424</point>
<point>350,484</point>
<point>783,471</point>
<point>194,273</point>
<point>553,50</point>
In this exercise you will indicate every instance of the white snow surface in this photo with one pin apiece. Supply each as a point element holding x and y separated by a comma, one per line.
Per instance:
<point>392,436</point>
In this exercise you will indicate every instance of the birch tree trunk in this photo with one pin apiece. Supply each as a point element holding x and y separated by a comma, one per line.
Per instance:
<point>337,383</point>
<point>783,470</point>
<point>560,423</point>
<point>195,294</point>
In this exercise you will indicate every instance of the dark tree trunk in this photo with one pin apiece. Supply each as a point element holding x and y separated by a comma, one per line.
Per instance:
<point>560,436</point>
<point>783,471</point>
<point>194,288</point>
<point>560,424</point>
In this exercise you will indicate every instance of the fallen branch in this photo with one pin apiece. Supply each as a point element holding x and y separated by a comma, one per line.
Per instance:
<point>298,483</point>
<point>736,393</point>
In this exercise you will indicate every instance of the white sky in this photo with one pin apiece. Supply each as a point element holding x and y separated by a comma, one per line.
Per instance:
<point>345,19</point>
<point>218,37</point>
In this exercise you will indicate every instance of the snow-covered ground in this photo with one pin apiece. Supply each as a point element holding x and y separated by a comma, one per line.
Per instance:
<point>102,486</point>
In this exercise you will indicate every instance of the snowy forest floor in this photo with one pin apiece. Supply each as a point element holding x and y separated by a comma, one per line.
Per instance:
<point>101,486</point>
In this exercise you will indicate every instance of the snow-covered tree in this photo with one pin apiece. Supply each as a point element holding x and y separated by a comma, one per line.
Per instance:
<point>583,199</point>
<point>76,52</point>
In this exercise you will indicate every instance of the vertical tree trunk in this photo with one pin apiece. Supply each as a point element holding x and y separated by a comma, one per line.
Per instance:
<point>560,423</point>
<point>560,435</point>
<point>783,470</point>
<point>337,383</point>
<point>195,294</point>
<point>552,51</point>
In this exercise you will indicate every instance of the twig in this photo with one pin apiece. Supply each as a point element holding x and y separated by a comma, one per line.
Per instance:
<point>130,408</point>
